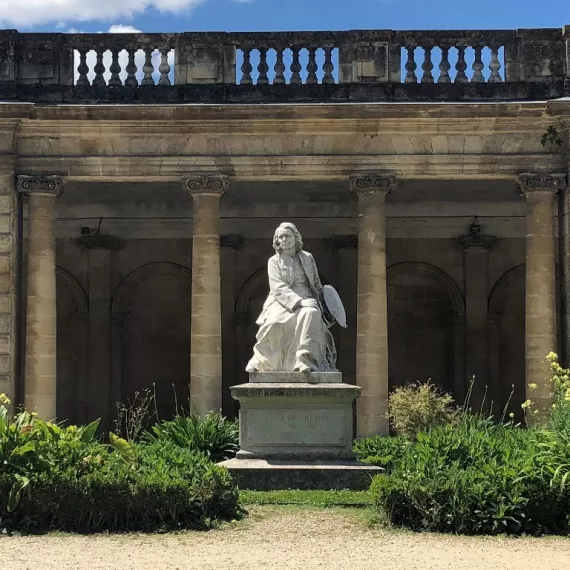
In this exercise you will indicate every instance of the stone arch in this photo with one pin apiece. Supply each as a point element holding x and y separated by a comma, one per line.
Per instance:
<point>506,326</point>
<point>425,326</point>
<point>72,338</point>
<point>150,312</point>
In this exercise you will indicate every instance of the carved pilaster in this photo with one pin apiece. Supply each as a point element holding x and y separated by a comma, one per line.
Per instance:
<point>345,242</point>
<point>41,185</point>
<point>372,183</point>
<point>196,184</point>
<point>232,241</point>
<point>474,239</point>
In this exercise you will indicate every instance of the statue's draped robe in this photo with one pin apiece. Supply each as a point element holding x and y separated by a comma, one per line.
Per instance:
<point>291,337</point>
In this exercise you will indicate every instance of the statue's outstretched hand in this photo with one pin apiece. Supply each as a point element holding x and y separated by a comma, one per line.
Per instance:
<point>311,303</point>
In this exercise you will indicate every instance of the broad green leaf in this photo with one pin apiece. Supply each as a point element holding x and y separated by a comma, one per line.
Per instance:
<point>16,491</point>
<point>123,447</point>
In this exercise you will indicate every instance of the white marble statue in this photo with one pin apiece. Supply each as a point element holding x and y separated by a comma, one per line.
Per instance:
<point>292,336</point>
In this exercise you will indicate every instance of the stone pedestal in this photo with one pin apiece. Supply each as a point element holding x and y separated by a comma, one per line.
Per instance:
<point>296,432</point>
<point>306,417</point>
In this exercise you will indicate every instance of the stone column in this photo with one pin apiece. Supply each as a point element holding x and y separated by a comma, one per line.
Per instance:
<point>540,309</point>
<point>10,248</point>
<point>475,246</point>
<point>372,311</point>
<point>206,333</point>
<point>41,313</point>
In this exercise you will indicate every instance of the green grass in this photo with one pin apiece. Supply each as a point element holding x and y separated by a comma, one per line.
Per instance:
<point>319,499</point>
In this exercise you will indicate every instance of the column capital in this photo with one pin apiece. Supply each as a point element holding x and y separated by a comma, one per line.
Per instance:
<point>370,183</point>
<point>41,185</point>
<point>531,182</point>
<point>206,184</point>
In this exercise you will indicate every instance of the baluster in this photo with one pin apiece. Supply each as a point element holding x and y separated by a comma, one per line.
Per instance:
<point>460,66</point>
<point>164,67</point>
<point>131,69</point>
<point>444,66</point>
<point>279,68</point>
<point>312,66</point>
<point>478,66</point>
<point>495,65</point>
<point>295,67</point>
<point>99,69</point>
<point>148,68</point>
<point>83,69</point>
<point>411,65</point>
<point>246,68</point>
<point>262,67</point>
<point>427,66</point>
<point>115,69</point>
<point>328,67</point>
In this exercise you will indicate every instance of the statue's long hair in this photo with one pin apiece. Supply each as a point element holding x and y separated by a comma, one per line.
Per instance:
<point>296,233</point>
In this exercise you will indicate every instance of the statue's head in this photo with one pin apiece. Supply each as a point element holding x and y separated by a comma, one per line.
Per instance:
<point>287,227</point>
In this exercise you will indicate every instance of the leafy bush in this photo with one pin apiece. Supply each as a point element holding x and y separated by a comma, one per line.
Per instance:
<point>418,407</point>
<point>381,451</point>
<point>475,477</point>
<point>211,434</point>
<point>63,478</point>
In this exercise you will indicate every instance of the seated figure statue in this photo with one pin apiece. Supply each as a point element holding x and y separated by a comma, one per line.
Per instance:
<point>292,335</point>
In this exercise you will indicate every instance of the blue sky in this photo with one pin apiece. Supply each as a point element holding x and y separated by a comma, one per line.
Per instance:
<point>270,15</point>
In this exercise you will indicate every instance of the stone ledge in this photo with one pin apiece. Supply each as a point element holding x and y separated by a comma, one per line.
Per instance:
<point>295,377</point>
<point>297,390</point>
<point>270,475</point>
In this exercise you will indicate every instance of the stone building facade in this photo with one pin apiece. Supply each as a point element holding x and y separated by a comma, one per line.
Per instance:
<point>138,198</point>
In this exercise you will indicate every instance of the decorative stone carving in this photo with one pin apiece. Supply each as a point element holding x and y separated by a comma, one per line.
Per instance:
<point>206,184</point>
<point>294,325</point>
<point>372,183</point>
<point>42,185</point>
<point>475,239</point>
<point>532,181</point>
<point>231,240</point>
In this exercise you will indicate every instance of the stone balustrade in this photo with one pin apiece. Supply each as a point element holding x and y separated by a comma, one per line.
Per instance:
<point>377,65</point>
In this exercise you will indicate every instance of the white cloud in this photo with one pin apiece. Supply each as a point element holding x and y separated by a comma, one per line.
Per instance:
<point>120,29</point>
<point>29,13</point>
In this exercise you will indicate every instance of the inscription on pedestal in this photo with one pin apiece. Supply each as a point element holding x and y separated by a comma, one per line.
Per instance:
<point>293,427</point>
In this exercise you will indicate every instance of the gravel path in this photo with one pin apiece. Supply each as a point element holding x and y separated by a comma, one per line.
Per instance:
<point>284,538</point>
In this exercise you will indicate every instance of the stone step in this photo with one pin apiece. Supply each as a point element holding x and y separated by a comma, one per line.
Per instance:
<point>273,475</point>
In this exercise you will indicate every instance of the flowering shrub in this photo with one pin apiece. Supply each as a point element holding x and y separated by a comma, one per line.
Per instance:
<point>418,407</point>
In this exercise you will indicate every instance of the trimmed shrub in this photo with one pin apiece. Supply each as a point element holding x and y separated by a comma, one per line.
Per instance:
<point>416,408</point>
<point>381,451</point>
<point>55,477</point>
<point>211,434</point>
<point>167,488</point>
<point>474,478</point>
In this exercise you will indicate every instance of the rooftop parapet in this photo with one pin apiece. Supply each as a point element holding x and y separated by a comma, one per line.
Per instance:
<point>288,67</point>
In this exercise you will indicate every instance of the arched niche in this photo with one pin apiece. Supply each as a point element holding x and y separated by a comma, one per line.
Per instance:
<point>506,314</point>
<point>72,335</point>
<point>425,327</point>
<point>150,312</point>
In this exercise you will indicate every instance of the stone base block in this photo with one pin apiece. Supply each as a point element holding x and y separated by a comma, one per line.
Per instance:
<point>267,475</point>
<point>299,421</point>
<point>296,377</point>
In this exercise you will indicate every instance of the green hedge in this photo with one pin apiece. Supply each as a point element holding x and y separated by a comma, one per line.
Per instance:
<point>478,478</point>
<point>63,478</point>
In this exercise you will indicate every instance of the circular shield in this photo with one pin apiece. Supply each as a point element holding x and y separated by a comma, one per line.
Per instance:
<point>334,305</point>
